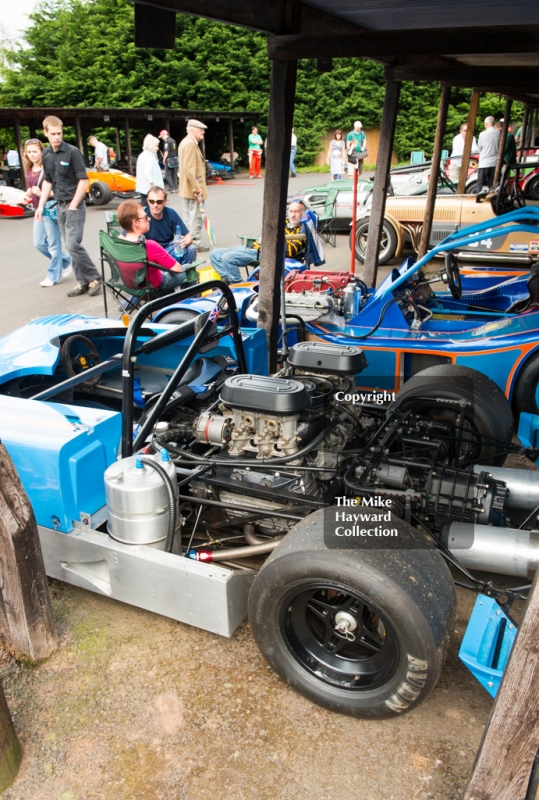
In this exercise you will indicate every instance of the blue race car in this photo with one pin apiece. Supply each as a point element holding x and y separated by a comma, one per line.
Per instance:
<point>404,326</point>
<point>167,470</point>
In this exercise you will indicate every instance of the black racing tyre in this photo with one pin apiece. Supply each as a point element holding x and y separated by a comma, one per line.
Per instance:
<point>399,605</point>
<point>526,394</point>
<point>78,354</point>
<point>177,315</point>
<point>471,188</point>
<point>488,419</point>
<point>388,242</point>
<point>532,188</point>
<point>100,193</point>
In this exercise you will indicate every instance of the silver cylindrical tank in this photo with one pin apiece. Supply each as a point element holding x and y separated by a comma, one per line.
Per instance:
<point>137,502</point>
<point>508,551</point>
<point>351,300</point>
<point>522,485</point>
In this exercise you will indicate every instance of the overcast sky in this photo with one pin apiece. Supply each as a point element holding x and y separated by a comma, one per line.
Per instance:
<point>15,15</point>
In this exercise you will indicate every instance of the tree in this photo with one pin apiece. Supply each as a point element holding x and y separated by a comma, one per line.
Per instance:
<point>82,53</point>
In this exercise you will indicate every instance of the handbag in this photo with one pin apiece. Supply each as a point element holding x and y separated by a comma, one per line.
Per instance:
<point>51,210</point>
<point>172,162</point>
<point>363,154</point>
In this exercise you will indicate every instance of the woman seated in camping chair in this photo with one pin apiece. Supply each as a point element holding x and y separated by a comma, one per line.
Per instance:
<point>135,222</point>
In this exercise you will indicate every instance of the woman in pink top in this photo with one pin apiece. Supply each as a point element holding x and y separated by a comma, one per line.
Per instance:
<point>135,222</point>
<point>47,238</point>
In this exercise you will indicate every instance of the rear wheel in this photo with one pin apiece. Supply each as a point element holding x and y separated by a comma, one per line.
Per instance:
<point>100,193</point>
<point>363,632</point>
<point>533,188</point>
<point>388,241</point>
<point>178,316</point>
<point>487,413</point>
<point>526,397</point>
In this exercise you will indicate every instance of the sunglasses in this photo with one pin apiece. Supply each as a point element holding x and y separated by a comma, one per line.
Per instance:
<point>32,141</point>
<point>146,217</point>
<point>156,202</point>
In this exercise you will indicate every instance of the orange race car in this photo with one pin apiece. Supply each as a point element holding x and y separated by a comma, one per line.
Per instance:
<point>103,186</point>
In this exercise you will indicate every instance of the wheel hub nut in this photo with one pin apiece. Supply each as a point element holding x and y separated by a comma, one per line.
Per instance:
<point>345,623</point>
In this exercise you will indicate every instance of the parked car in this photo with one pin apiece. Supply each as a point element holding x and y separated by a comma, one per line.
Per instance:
<point>404,216</point>
<point>351,604</point>
<point>103,186</point>
<point>12,203</point>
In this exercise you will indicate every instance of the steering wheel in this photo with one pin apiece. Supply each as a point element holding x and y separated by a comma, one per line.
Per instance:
<point>79,354</point>
<point>453,276</point>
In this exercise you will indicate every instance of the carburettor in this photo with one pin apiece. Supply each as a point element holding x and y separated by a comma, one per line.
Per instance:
<point>257,414</point>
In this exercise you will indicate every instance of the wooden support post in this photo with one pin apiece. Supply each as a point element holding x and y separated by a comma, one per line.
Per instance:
<point>381,177</point>
<point>32,128</point>
<point>281,112</point>
<point>434,172</point>
<point>502,767</point>
<point>10,749</point>
<point>26,623</point>
<point>85,149</point>
<point>231,141</point>
<point>128,147</point>
<point>472,119</point>
<point>503,140</point>
<point>78,134</point>
<point>118,146</point>
<point>524,132</point>
<point>535,112</point>
<point>18,142</point>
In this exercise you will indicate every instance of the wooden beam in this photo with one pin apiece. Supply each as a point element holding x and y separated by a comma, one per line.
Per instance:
<point>381,177</point>
<point>155,27</point>
<point>472,117</point>
<point>231,142</point>
<point>281,113</point>
<point>422,41</point>
<point>265,17</point>
<point>521,144</point>
<point>26,623</point>
<point>118,146</point>
<point>503,763</point>
<point>128,151</point>
<point>434,171</point>
<point>19,145</point>
<point>467,75</point>
<point>78,134</point>
<point>503,140</point>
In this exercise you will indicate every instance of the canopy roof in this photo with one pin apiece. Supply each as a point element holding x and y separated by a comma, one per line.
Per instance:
<point>488,44</point>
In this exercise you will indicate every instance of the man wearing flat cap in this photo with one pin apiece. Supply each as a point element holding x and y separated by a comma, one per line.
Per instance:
<point>193,180</point>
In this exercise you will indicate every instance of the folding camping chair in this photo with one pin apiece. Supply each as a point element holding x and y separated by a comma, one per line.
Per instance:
<point>128,284</point>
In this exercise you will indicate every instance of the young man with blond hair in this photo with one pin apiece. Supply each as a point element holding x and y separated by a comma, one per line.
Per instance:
<point>64,173</point>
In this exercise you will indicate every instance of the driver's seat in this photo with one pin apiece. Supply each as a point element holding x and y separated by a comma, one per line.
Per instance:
<point>530,303</point>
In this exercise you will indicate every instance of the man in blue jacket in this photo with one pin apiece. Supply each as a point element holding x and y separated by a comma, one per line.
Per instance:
<point>163,224</point>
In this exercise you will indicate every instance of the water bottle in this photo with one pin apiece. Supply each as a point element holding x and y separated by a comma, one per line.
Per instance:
<point>177,241</point>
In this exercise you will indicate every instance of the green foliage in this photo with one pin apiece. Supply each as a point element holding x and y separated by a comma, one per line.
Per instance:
<point>81,53</point>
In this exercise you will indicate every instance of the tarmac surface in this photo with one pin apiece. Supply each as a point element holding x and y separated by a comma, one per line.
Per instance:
<point>134,706</point>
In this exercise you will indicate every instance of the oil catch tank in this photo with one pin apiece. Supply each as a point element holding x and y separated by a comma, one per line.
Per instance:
<point>138,501</point>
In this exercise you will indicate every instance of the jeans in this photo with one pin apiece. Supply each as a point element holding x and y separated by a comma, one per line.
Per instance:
<point>187,256</point>
<point>72,227</point>
<point>192,217</point>
<point>292,161</point>
<point>170,281</point>
<point>48,240</point>
<point>227,260</point>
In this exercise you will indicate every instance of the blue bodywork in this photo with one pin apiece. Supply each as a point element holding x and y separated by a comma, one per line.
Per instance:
<point>61,448</point>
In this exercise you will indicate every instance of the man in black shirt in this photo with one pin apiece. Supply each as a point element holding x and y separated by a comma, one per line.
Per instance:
<point>64,172</point>
<point>170,159</point>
